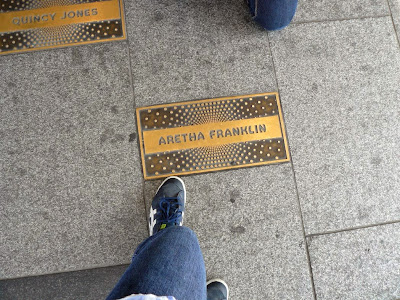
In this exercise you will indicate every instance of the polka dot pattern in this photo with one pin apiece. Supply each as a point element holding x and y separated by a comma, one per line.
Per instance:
<point>60,35</point>
<point>208,112</point>
<point>211,158</point>
<point>19,5</point>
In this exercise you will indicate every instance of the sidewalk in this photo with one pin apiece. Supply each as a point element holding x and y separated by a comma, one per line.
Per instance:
<point>325,226</point>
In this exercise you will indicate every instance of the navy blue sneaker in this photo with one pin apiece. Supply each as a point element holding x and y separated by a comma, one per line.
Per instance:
<point>217,289</point>
<point>168,206</point>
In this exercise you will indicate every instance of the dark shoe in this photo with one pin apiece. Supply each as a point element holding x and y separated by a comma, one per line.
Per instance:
<point>168,205</point>
<point>217,289</point>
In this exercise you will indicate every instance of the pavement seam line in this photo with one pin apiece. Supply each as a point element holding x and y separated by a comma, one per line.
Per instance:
<point>132,83</point>
<point>294,180</point>
<point>131,78</point>
<point>353,228</point>
<point>341,19</point>
<point>89,268</point>
<point>138,141</point>
<point>394,25</point>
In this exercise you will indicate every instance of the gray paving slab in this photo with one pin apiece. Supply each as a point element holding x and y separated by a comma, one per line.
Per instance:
<point>357,265</point>
<point>93,284</point>
<point>184,50</point>
<point>339,84</point>
<point>395,10</point>
<point>322,10</point>
<point>70,180</point>
<point>249,229</point>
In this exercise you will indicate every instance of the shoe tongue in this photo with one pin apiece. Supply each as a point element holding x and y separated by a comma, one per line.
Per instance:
<point>171,191</point>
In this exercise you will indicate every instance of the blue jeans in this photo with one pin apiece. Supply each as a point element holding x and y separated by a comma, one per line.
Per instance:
<point>273,14</point>
<point>169,263</point>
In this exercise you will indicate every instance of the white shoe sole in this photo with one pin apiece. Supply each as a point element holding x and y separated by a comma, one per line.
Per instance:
<point>224,283</point>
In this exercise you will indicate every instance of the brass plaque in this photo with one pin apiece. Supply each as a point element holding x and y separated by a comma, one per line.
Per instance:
<point>27,25</point>
<point>211,135</point>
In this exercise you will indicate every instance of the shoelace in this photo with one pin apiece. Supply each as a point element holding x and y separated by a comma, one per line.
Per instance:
<point>170,210</point>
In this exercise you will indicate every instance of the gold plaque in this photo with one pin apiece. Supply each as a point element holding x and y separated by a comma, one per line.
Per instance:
<point>211,135</point>
<point>27,25</point>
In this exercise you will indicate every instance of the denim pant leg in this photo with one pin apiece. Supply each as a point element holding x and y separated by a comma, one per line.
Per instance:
<point>169,263</point>
<point>273,14</point>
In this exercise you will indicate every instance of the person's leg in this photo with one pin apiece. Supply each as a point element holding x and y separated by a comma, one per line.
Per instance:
<point>273,14</point>
<point>169,263</point>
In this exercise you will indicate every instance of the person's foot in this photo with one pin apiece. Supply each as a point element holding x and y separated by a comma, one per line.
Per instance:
<point>217,289</point>
<point>168,205</point>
